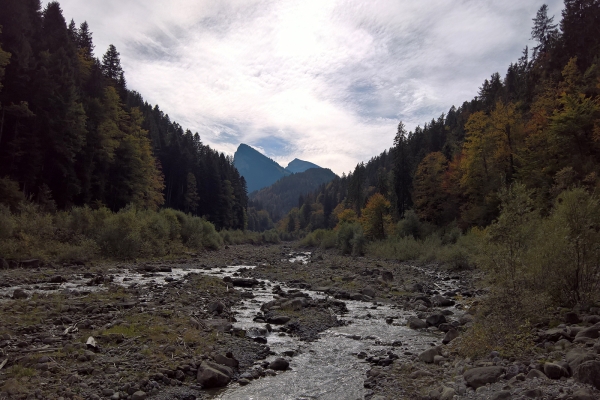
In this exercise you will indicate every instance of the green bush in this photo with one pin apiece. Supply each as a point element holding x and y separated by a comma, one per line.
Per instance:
<point>271,236</point>
<point>323,238</point>
<point>350,238</point>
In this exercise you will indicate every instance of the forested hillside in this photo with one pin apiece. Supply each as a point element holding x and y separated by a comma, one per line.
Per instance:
<point>539,125</point>
<point>71,133</point>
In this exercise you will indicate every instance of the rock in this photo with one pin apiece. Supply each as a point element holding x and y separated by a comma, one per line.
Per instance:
<point>597,346</point>
<point>58,279</point>
<point>450,336</point>
<point>572,318</point>
<point>139,395</point>
<point>387,276</point>
<point>443,393</point>
<point>416,323</point>
<point>216,307</point>
<point>294,304</point>
<point>221,325</point>
<point>20,294</point>
<point>554,334</point>
<point>465,319</point>
<point>533,393</point>
<point>578,356</point>
<point>441,301</point>
<point>368,291</point>
<point>588,372</point>
<point>278,319</point>
<point>536,373</point>
<point>555,371</point>
<point>591,319</point>
<point>435,319</point>
<point>583,394</point>
<point>244,282</point>
<point>30,263</point>
<point>420,374</point>
<point>243,381</point>
<point>501,395</point>
<point>480,376</point>
<point>445,327</point>
<point>212,378</point>
<point>593,332</point>
<point>428,355</point>
<point>279,364</point>
<point>227,361</point>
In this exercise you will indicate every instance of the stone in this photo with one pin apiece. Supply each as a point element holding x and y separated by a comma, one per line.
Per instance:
<point>243,381</point>
<point>441,301</point>
<point>420,374</point>
<point>139,395</point>
<point>216,307</point>
<point>244,282</point>
<point>465,319</point>
<point>58,279</point>
<point>368,291</point>
<point>536,373</point>
<point>428,356</point>
<point>107,392</point>
<point>435,319</point>
<point>591,319</point>
<point>572,318</point>
<point>555,371</point>
<point>20,294</point>
<point>533,393</point>
<point>444,393</point>
<point>588,372</point>
<point>480,376</point>
<point>450,336</point>
<point>221,325</point>
<point>279,364</point>
<point>227,361</point>
<point>597,346</point>
<point>583,394</point>
<point>501,395</point>
<point>212,378</point>
<point>593,332</point>
<point>278,319</point>
<point>578,356</point>
<point>387,276</point>
<point>416,323</point>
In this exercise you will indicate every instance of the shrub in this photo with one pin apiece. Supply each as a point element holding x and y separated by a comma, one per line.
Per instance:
<point>350,238</point>
<point>322,238</point>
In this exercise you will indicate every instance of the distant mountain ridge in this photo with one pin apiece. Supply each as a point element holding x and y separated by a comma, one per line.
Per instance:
<point>279,198</point>
<point>296,166</point>
<point>260,171</point>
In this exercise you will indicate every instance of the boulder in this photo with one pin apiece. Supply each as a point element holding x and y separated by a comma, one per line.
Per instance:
<point>588,372</point>
<point>591,319</point>
<point>244,282</point>
<point>278,319</point>
<point>578,356</point>
<point>465,319</point>
<point>416,323</point>
<point>480,376</point>
<point>428,355</point>
<point>387,276</point>
<point>221,325</point>
<point>501,395</point>
<point>450,336</point>
<point>441,301</point>
<point>593,332</point>
<point>212,378</point>
<point>583,394</point>
<point>279,364</point>
<point>139,395</point>
<point>227,361</point>
<point>435,319</point>
<point>536,373</point>
<point>554,334</point>
<point>216,307</point>
<point>368,291</point>
<point>572,318</point>
<point>295,304</point>
<point>555,371</point>
<point>20,294</point>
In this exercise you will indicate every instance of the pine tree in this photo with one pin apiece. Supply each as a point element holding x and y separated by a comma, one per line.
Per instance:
<point>111,64</point>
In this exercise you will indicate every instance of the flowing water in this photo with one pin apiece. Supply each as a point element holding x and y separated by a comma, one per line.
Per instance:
<point>332,367</point>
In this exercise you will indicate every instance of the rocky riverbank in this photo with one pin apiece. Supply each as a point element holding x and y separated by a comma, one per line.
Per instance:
<point>164,330</point>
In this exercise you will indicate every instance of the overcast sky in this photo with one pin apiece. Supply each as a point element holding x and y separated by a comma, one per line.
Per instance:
<point>320,80</point>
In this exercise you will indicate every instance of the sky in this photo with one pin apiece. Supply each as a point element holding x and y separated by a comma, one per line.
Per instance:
<point>325,81</point>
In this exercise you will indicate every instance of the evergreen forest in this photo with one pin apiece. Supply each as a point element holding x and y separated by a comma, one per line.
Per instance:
<point>72,134</point>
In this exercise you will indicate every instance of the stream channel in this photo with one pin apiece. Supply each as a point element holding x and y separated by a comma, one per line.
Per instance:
<point>332,367</point>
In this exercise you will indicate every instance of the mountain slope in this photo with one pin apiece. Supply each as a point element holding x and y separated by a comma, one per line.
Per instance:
<point>297,165</point>
<point>258,170</point>
<point>282,196</point>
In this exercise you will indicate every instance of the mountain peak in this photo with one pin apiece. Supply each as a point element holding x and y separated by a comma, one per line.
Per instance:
<point>297,165</point>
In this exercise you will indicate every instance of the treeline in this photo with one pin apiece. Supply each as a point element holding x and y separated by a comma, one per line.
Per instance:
<point>538,126</point>
<point>72,134</point>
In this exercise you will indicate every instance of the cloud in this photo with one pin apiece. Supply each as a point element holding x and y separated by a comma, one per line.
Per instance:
<point>324,81</point>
